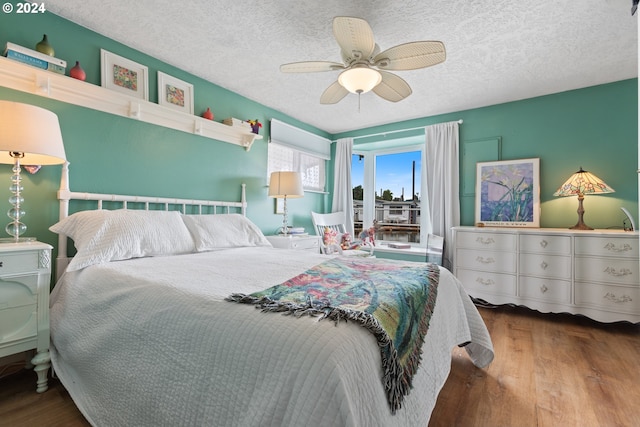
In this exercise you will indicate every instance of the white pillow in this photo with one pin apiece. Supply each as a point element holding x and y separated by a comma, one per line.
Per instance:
<point>102,235</point>
<point>223,231</point>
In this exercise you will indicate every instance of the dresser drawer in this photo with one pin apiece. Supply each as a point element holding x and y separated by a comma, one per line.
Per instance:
<point>18,323</point>
<point>486,282</point>
<point>500,262</point>
<point>18,291</point>
<point>550,290</point>
<point>18,308</point>
<point>305,244</point>
<point>619,247</point>
<point>557,266</point>
<point>560,245</point>
<point>608,270</point>
<point>18,262</point>
<point>487,241</point>
<point>619,299</point>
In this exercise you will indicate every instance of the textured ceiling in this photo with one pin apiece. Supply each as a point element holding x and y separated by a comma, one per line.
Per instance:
<point>497,50</point>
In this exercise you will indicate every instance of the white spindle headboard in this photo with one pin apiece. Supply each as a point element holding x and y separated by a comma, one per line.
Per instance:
<point>65,195</point>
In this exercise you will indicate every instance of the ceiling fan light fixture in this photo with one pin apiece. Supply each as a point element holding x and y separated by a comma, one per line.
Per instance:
<point>360,79</point>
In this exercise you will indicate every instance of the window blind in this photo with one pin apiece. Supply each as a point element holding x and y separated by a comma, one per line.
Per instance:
<point>312,168</point>
<point>299,139</point>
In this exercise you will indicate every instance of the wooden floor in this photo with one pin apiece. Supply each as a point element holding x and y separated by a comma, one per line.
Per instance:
<point>549,370</point>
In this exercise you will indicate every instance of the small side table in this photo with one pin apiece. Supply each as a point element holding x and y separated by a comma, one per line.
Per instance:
<point>25,275</point>
<point>297,242</point>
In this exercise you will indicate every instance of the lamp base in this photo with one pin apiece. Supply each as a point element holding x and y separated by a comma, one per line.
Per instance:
<point>285,228</point>
<point>580,225</point>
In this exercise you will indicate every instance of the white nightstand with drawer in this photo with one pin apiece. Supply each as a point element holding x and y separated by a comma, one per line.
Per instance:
<point>25,273</point>
<point>297,242</point>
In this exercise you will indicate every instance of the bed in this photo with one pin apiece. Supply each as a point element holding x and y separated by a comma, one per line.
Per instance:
<point>143,333</point>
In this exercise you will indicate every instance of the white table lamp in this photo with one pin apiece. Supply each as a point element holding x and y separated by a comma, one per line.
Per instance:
<point>29,135</point>
<point>283,185</point>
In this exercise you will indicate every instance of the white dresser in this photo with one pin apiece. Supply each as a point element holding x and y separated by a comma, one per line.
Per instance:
<point>594,273</point>
<point>25,272</point>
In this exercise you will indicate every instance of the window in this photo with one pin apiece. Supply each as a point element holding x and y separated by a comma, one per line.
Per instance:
<point>312,168</point>
<point>386,191</point>
<point>294,149</point>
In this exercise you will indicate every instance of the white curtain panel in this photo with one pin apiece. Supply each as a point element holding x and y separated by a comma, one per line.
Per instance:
<point>342,190</point>
<point>440,178</point>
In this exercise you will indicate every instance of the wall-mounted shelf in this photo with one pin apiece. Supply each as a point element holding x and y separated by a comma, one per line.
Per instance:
<point>26,78</point>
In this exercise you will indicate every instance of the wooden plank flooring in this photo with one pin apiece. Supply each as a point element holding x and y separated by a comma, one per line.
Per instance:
<point>20,405</point>
<point>550,370</point>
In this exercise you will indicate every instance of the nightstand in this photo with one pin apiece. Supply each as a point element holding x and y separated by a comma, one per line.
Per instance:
<point>25,274</point>
<point>297,242</point>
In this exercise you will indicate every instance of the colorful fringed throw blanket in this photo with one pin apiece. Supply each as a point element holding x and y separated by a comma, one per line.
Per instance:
<point>392,299</point>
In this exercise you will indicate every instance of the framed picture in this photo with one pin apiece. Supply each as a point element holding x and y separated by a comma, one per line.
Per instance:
<point>175,93</point>
<point>279,205</point>
<point>508,193</point>
<point>124,76</point>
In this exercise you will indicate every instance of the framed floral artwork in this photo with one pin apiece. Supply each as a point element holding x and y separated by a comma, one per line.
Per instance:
<point>175,93</point>
<point>124,76</point>
<point>508,193</point>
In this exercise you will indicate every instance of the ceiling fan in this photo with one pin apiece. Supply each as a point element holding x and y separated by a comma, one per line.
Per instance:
<point>364,66</point>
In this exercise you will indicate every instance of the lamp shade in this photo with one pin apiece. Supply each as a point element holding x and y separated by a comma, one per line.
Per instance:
<point>359,79</point>
<point>285,184</point>
<point>32,131</point>
<point>583,182</point>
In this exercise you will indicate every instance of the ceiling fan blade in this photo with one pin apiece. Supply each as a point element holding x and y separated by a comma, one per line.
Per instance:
<point>411,56</point>
<point>392,88</point>
<point>355,37</point>
<point>310,67</point>
<point>333,94</point>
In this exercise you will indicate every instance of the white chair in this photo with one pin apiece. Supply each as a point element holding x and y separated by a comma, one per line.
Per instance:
<point>336,221</point>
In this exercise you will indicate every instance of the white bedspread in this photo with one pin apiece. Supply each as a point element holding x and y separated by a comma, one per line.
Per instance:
<point>151,342</point>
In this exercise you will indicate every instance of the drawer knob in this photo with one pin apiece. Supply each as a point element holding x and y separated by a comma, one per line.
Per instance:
<point>543,288</point>
<point>544,243</point>
<point>613,272</point>
<point>1,262</point>
<point>485,241</point>
<point>618,300</point>
<point>482,260</point>
<point>485,282</point>
<point>544,265</point>
<point>613,248</point>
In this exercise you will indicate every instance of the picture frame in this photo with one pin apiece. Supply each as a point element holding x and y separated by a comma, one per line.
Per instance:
<point>508,193</point>
<point>279,206</point>
<point>124,75</point>
<point>175,93</point>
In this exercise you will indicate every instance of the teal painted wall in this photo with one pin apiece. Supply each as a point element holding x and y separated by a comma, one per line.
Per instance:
<point>120,155</point>
<point>594,127</point>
